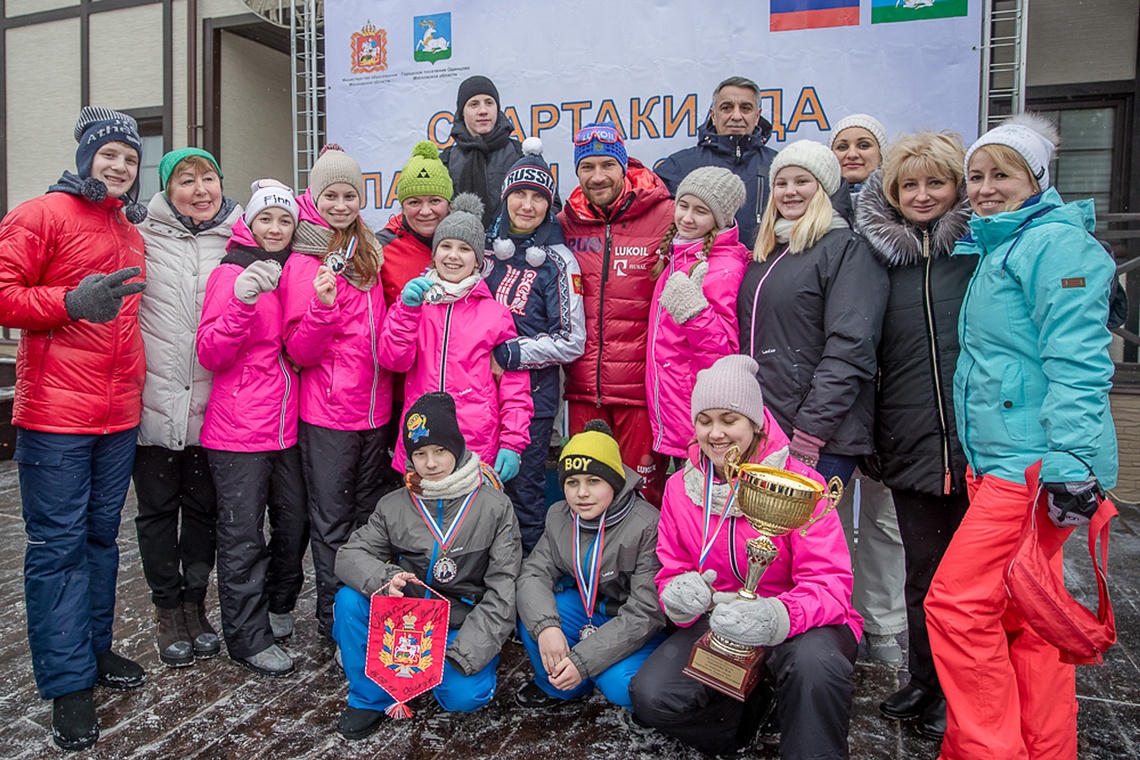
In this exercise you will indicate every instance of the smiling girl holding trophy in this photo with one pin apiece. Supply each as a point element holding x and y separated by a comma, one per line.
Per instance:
<point>802,614</point>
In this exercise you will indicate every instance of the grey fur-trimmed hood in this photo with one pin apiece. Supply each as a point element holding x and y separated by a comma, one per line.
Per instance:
<point>898,243</point>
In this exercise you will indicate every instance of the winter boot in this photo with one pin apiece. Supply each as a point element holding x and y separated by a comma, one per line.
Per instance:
<point>74,724</point>
<point>117,672</point>
<point>281,624</point>
<point>202,634</point>
<point>271,661</point>
<point>174,647</point>
<point>359,722</point>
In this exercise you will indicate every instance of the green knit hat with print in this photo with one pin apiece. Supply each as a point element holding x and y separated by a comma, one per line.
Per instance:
<point>175,157</point>
<point>424,174</point>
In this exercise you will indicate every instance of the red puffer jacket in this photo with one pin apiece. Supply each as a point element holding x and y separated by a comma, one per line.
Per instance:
<point>405,258</point>
<point>616,255</point>
<point>72,377</point>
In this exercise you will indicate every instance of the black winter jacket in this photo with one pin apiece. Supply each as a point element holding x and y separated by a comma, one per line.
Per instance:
<point>746,155</point>
<point>916,439</point>
<point>499,162</point>
<point>811,321</point>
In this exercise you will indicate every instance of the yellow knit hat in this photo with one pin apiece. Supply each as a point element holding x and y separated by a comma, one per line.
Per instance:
<point>593,451</point>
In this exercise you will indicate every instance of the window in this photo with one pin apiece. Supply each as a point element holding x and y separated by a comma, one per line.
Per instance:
<point>1083,167</point>
<point>148,168</point>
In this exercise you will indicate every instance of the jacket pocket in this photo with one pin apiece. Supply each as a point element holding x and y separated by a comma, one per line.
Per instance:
<point>1012,404</point>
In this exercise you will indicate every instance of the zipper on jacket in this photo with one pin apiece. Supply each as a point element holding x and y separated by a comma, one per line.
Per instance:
<point>284,402</point>
<point>375,363</point>
<point>443,352</point>
<point>928,298</point>
<point>602,310</point>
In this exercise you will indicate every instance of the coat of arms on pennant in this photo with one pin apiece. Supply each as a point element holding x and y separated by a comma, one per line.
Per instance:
<point>407,643</point>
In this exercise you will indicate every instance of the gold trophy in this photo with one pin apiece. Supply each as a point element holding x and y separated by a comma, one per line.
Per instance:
<point>775,502</point>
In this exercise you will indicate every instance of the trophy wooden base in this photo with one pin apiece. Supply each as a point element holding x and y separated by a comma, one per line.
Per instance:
<point>734,676</point>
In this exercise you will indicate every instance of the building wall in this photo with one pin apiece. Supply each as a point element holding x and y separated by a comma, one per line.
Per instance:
<point>1126,415</point>
<point>257,123</point>
<point>1073,41</point>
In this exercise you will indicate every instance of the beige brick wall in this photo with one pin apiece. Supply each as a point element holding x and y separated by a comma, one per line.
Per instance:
<point>1126,415</point>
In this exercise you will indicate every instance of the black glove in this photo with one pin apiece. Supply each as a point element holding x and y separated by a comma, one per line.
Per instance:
<point>1074,503</point>
<point>98,297</point>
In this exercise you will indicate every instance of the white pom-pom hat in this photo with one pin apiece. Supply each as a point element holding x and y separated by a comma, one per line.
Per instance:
<point>1034,137</point>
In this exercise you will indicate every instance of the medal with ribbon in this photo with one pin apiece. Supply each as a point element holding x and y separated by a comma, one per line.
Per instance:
<point>444,570</point>
<point>338,260</point>
<point>707,541</point>
<point>587,571</point>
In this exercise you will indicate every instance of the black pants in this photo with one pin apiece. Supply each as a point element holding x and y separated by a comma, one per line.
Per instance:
<point>172,485</point>
<point>814,694</point>
<point>927,523</point>
<point>255,578</point>
<point>344,478</point>
<point>527,490</point>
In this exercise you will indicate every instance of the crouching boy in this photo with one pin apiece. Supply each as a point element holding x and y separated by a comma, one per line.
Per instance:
<point>588,611</point>
<point>454,533</point>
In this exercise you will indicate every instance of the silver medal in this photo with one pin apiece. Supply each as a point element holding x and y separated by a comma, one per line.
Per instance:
<point>445,569</point>
<point>435,294</point>
<point>336,261</point>
<point>586,630</point>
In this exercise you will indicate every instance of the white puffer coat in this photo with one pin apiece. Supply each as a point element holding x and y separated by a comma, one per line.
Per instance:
<point>178,264</point>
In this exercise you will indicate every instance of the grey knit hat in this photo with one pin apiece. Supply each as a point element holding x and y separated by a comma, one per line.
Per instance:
<point>465,222</point>
<point>815,157</point>
<point>730,383</point>
<point>718,188</point>
<point>333,166</point>
<point>869,123</point>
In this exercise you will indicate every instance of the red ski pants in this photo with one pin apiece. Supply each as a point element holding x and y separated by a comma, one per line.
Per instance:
<point>1008,696</point>
<point>635,439</point>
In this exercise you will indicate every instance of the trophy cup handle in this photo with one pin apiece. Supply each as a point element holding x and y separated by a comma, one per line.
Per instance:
<point>833,494</point>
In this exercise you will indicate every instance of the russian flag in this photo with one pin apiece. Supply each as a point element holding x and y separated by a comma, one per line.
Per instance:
<point>787,15</point>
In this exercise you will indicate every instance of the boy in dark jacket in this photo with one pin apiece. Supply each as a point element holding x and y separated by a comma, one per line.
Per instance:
<point>474,568</point>
<point>588,610</point>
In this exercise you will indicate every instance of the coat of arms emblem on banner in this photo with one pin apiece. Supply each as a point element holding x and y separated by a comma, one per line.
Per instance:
<point>369,50</point>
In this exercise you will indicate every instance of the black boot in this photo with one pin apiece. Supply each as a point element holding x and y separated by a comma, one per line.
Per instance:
<point>74,724</point>
<point>174,647</point>
<point>202,634</point>
<point>359,722</point>
<point>117,672</point>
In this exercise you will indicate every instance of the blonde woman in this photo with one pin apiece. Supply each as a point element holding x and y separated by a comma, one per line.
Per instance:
<point>810,311</point>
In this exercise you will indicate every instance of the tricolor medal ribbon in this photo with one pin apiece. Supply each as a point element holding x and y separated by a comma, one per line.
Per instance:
<point>445,570</point>
<point>587,571</point>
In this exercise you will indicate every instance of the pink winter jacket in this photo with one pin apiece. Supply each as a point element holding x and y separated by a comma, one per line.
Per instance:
<point>342,385</point>
<point>678,352</point>
<point>811,575</point>
<point>253,404</point>
<point>447,347</point>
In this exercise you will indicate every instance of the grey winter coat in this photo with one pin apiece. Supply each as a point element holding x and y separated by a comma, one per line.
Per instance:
<point>813,327</point>
<point>486,550</point>
<point>626,592</point>
<point>916,438</point>
<point>178,264</point>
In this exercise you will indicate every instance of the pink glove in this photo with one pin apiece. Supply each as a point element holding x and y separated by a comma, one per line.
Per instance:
<point>805,447</point>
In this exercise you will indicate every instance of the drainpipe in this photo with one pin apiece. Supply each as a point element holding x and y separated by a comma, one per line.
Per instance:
<point>192,125</point>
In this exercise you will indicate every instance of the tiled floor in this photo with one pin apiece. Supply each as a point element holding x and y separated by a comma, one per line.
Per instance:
<point>218,710</point>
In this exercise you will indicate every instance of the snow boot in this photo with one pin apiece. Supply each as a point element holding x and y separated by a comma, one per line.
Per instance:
<point>174,647</point>
<point>202,634</point>
<point>117,672</point>
<point>74,724</point>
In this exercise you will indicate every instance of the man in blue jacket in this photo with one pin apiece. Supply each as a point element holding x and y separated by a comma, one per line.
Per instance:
<point>734,137</point>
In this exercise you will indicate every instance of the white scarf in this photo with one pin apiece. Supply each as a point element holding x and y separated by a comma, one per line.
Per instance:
<point>453,291</point>
<point>784,226</point>
<point>695,483</point>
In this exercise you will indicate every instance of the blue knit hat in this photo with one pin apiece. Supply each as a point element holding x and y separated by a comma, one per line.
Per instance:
<point>601,138</point>
<point>98,126</point>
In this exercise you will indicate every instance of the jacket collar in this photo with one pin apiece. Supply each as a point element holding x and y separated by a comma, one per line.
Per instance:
<point>728,145</point>
<point>643,190</point>
<point>898,243</point>
<point>987,233</point>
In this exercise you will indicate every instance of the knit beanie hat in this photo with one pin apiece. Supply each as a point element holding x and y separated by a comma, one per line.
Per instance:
<point>175,157</point>
<point>270,197</point>
<point>869,123</point>
<point>465,222</point>
<point>531,172</point>
<point>716,187</point>
<point>472,86</point>
<point>595,452</point>
<point>96,127</point>
<point>731,383</point>
<point>333,166</point>
<point>600,139</point>
<point>424,174</point>
<point>815,157</point>
<point>431,421</point>
<point>1034,137</point>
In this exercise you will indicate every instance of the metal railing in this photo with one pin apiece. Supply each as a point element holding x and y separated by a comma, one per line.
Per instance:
<point>1004,29</point>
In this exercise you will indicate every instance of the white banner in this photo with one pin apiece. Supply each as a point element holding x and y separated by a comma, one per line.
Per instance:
<point>394,67</point>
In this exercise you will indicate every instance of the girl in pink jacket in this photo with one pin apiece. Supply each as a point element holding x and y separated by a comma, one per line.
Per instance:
<point>334,309</point>
<point>692,320</point>
<point>802,616</point>
<point>442,331</point>
<point>250,433</point>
